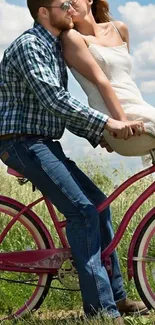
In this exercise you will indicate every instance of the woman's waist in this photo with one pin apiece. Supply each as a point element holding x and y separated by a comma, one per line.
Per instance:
<point>127,91</point>
<point>125,95</point>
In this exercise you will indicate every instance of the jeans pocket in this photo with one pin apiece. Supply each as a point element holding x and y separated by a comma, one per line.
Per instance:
<point>11,158</point>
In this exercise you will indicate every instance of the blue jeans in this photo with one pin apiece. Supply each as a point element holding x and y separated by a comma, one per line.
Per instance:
<point>43,162</point>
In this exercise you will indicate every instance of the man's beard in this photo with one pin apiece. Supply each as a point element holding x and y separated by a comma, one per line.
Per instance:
<point>61,24</point>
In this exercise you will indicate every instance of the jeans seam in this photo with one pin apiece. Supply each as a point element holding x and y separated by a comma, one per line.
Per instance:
<point>92,262</point>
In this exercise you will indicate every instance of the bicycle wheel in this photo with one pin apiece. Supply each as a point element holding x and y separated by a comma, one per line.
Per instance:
<point>18,298</point>
<point>144,268</point>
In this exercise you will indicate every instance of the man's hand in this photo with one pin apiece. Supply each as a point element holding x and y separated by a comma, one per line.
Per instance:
<point>124,130</point>
<point>104,144</point>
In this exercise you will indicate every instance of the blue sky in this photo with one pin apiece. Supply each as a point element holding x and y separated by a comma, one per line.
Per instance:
<point>113,3</point>
<point>18,2</point>
<point>134,14</point>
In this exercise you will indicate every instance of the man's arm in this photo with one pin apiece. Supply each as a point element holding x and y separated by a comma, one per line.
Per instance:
<point>33,62</point>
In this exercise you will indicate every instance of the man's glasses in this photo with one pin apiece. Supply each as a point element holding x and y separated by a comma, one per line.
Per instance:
<point>65,6</point>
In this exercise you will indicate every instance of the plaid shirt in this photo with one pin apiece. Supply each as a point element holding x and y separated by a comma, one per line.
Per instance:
<point>33,91</point>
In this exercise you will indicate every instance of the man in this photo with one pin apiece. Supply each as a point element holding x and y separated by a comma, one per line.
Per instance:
<point>35,109</point>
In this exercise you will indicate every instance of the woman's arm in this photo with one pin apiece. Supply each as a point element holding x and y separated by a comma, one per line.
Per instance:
<point>77,56</point>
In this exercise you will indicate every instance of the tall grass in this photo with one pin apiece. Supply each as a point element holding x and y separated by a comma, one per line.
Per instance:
<point>61,300</point>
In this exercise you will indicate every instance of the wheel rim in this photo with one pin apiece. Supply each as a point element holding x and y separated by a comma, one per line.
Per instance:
<point>16,299</point>
<point>146,270</point>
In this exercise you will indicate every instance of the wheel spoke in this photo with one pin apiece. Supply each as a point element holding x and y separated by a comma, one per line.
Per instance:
<point>146,259</point>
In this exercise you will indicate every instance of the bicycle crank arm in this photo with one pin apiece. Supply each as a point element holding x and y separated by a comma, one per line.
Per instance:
<point>38,260</point>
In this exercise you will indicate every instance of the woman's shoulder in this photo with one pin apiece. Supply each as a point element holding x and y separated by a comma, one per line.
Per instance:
<point>70,35</point>
<point>123,30</point>
<point>122,27</point>
<point>72,40</point>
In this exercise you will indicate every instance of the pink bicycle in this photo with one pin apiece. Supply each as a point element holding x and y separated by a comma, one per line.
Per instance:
<point>35,260</point>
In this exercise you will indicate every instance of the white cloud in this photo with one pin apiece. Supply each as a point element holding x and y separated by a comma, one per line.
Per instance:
<point>141,19</point>
<point>144,60</point>
<point>13,21</point>
<point>141,22</point>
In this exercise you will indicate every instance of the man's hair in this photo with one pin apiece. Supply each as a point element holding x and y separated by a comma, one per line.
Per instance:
<point>34,6</point>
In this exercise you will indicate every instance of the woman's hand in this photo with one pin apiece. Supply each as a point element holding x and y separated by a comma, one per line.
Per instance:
<point>124,130</point>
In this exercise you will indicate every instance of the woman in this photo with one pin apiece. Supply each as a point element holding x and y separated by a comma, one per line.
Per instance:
<point>97,53</point>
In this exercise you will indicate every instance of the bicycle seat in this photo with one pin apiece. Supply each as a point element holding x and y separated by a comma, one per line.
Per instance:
<point>14,173</point>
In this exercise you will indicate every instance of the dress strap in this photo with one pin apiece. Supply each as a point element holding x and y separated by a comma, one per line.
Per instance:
<point>117,30</point>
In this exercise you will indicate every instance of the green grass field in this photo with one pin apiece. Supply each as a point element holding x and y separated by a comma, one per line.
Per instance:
<point>58,304</point>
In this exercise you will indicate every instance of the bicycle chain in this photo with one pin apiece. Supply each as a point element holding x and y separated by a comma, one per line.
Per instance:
<point>37,285</point>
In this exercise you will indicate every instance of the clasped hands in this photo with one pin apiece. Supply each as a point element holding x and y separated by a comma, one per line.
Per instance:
<point>122,130</point>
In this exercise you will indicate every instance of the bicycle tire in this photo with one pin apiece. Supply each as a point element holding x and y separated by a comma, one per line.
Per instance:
<point>27,225</point>
<point>143,271</point>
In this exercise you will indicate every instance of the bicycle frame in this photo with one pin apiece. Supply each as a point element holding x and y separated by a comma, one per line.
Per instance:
<point>43,261</point>
<point>50,260</point>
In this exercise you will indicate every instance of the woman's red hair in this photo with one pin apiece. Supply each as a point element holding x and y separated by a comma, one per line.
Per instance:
<point>100,10</point>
